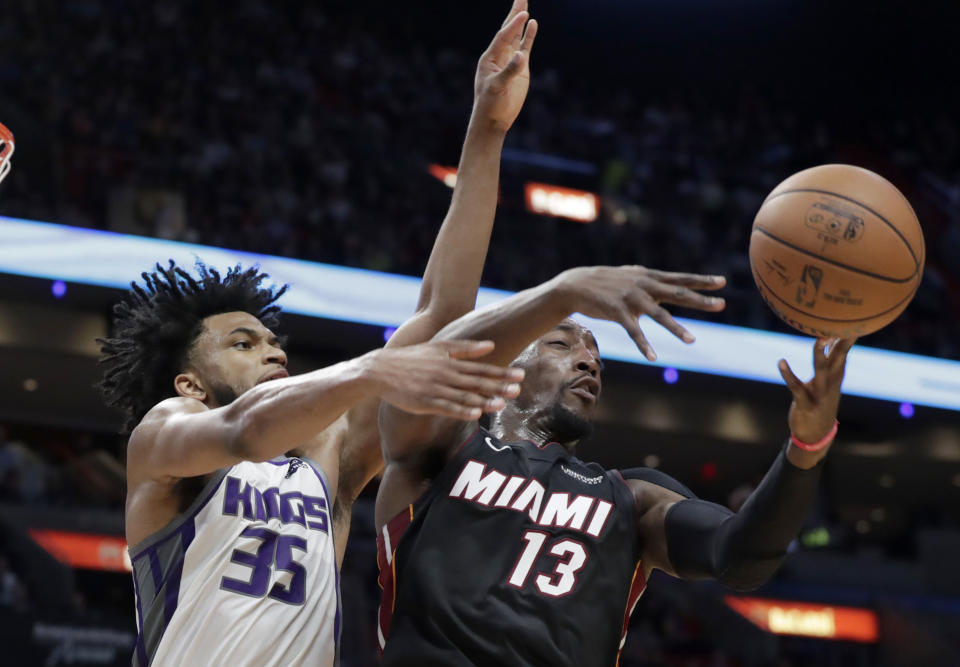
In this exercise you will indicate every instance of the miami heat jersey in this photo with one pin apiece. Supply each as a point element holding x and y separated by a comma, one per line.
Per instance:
<point>517,554</point>
<point>246,576</point>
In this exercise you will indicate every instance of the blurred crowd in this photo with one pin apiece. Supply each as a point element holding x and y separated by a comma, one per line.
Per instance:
<point>13,594</point>
<point>307,131</point>
<point>61,468</point>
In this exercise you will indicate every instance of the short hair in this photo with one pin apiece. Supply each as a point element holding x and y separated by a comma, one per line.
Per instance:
<point>155,326</point>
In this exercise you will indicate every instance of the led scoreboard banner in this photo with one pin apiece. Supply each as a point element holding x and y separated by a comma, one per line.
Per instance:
<point>94,257</point>
<point>83,550</point>
<point>805,619</point>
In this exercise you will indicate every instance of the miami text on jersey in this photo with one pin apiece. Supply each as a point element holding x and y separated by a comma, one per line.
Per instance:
<point>490,488</point>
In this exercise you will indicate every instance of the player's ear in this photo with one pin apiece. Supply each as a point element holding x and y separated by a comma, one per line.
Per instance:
<point>190,385</point>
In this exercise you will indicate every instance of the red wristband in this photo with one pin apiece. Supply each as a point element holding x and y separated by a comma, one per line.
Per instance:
<point>822,443</point>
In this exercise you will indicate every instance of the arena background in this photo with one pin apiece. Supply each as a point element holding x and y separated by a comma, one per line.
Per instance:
<point>326,131</point>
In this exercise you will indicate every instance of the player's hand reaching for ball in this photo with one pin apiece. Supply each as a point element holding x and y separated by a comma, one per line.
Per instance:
<point>813,412</point>
<point>503,73</point>
<point>437,378</point>
<point>623,294</point>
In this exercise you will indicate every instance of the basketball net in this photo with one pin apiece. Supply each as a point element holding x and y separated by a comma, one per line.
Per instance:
<point>6,150</point>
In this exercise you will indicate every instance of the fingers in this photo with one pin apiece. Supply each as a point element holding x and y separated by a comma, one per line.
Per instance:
<point>467,396</point>
<point>793,382</point>
<point>689,280</point>
<point>467,349</point>
<point>679,295</point>
<point>463,395</point>
<point>484,387</point>
<point>447,408</point>
<point>629,322</point>
<point>839,351</point>
<point>529,35</point>
<point>647,305</point>
<point>473,399</point>
<point>509,35</point>
<point>517,7</point>
<point>820,354</point>
<point>515,65</point>
<point>819,384</point>
<point>489,371</point>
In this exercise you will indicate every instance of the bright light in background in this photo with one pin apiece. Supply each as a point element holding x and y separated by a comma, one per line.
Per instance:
<point>906,410</point>
<point>448,175</point>
<point>670,375</point>
<point>823,621</point>
<point>388,333</point>
<point>108,259</point>
<point>562,202</point>
<point>59,288</point>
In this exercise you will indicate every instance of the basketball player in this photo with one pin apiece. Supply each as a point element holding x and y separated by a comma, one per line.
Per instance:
<point>500,547</point>
<point>240,478</point>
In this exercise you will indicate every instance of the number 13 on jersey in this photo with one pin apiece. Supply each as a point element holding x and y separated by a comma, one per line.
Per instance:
<point>571,557</point>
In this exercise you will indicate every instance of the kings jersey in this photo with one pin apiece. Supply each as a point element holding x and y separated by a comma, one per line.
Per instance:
<point>246,576</point>
<point>518,554</point>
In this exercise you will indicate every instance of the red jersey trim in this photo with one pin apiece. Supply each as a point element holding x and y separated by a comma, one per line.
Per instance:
<point>637,585</point>
<point>464,443</point>
<point>387,541</point>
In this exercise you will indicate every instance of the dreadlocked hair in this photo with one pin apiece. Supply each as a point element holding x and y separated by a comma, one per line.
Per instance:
<point>156,324</point>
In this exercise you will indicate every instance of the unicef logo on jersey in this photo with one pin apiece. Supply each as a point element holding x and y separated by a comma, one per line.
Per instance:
<point>580,477</point>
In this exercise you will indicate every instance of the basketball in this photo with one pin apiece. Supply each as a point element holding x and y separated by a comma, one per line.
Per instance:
<point>836,251</point>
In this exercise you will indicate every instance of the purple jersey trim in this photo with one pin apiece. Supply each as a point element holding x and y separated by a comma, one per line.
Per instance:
<point>172,593</point>
<point>336,619</point>
<point>336,571</point>
<point>141,647</point>
<point>155,570</point>
<point>183,526</point>
<point>173,528</point>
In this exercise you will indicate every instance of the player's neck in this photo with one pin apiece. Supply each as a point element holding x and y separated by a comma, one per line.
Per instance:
<point>511,427</point>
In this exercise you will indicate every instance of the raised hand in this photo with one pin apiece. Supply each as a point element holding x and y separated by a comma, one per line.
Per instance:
<point>814,407</point>
<point>623,294</point>
<point>503,73</point>
<point>436,378</point>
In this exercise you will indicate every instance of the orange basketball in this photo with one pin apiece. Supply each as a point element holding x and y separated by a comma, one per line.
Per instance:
<point>837,250</point>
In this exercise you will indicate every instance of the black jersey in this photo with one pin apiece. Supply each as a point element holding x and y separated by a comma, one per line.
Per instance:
<point>518,554</point>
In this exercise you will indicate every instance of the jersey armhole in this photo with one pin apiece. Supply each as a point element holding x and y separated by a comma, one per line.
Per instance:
<point>654,476</point>
<point>209,489</point>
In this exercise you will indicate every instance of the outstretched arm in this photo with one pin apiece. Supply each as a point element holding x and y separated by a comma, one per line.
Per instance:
<point>619,294</point>
<point>452,276</point>
<point>453,271</point>
<point>695,539</point>
<point>182,437</point>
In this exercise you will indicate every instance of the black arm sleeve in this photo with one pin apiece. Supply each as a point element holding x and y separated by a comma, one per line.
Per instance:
<point>742,550</point>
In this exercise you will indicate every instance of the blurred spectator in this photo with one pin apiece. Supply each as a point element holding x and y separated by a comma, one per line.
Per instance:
<point>22,473</point>
<point>12,592</point>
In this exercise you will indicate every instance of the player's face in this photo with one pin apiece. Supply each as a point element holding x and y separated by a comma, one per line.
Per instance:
<point>563,371</point>
<point>235,352</point>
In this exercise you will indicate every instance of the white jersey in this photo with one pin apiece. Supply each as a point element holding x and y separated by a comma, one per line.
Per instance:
<point>246,576</point>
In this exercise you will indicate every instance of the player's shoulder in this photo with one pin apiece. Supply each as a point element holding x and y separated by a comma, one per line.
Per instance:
<point>657,477</point>
<point>170,407</point>
<point>145,433</point>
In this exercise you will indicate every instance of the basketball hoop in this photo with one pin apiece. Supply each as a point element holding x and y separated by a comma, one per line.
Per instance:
<point>6,150</point>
